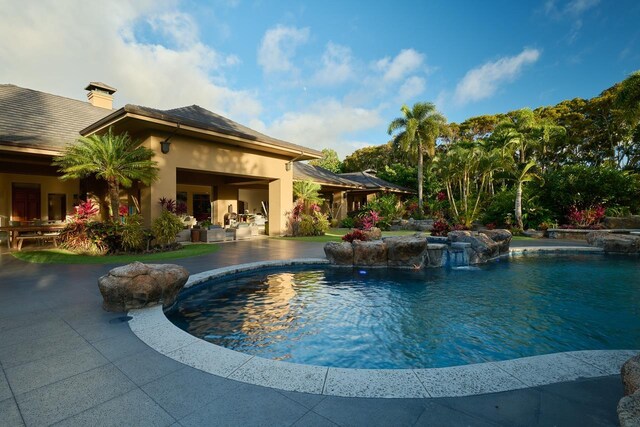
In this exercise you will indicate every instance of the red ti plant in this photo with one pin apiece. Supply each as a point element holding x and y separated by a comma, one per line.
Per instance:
<point>354,235</point>
<point>123,210</point>
<point>586,218</point>
<point>85,209</point>
<point>369,219</point>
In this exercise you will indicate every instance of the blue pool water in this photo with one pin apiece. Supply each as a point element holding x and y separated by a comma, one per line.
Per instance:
<point>368,318</point>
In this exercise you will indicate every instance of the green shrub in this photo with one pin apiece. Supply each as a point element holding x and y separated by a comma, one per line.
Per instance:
<point>582,187</point>
<point>314,224</point>
<point>503,204</point>
<point>77,238</point>
<point>348,222</point>
<point>166,227</point>
<point>133,236</point>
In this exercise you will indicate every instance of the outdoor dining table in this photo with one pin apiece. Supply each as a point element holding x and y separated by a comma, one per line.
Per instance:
<point>15,230</point>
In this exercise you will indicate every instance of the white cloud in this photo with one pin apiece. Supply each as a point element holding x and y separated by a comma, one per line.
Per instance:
<point>336,66</point>
<point>576,7</point>
<point>278,47</point>
<point>325,124</point>
<point>406,62</point>
<point>61,50</point>
<point>411,88</point>
<point>482,82</point>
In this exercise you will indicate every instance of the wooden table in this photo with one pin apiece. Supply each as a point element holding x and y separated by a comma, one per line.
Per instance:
<point>14,231</point>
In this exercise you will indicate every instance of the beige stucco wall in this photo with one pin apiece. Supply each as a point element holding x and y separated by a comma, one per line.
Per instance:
<point>253,199</point>
<point>196,155</point>
<point>48,184</point>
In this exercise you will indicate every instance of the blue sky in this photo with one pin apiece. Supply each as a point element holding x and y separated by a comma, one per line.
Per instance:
<point>323,74</point>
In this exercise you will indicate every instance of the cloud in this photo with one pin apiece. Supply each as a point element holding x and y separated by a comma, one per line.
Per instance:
<point>328,123</point>
<point>60,51</point>
<point>411,88</point>
<point>336,66</point>
<point>572,11</point>
<point>406,62</point>
<point>278,47</point>
<point>482,82</point>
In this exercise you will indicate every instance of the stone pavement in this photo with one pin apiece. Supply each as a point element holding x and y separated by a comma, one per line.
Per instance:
<point>65,361</point>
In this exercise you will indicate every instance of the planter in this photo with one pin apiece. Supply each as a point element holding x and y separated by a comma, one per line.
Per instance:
<point>195,235</point>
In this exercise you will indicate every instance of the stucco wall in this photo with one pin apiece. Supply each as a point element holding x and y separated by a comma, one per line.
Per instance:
<point>197,155</point>
<point>48,184</point>
<point>253,199</point>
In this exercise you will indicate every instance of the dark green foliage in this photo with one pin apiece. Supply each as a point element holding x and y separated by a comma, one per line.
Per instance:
<point>133,235</point>
<point>585,187</point>
<point>166,227</point>
<point>502,205</point>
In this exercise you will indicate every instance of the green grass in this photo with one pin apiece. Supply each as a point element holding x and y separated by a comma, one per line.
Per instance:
<point>335,235</point>
<point>61,256</point>
<point>522,238</point>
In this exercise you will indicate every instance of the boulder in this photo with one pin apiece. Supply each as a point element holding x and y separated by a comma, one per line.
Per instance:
<point>340,253</point>
<point>620,243</point>
<point>483,246</point>
<point>436,255</point>
<point>629,411</point>
<point>624,222</point>
<point>631,375</point>
<point>406,251</point>
<point>501,237</point>
<point>374,233</point>
<point>141,285</point>
<point>371,254</point>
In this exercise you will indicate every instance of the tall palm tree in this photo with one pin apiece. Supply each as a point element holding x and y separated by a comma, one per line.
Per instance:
<point>117,159</point>
<point>418,130</point>
<point>307,192</point>
<point>523,174</point>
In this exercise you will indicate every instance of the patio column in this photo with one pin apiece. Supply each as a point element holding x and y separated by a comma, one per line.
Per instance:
<point>165,186</point>
<point>280,202</point>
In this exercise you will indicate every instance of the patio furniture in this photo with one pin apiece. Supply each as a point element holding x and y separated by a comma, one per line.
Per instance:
<point>242,231</point>
<point>41,233</point>
<point>215,233</point>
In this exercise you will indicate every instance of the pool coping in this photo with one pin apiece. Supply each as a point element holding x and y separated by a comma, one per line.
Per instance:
<point>154,329</point>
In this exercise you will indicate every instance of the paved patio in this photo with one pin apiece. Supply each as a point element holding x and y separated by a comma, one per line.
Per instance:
<point>65,361</point>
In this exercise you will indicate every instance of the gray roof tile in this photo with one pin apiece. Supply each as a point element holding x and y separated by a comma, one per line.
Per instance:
<point>37,119</point>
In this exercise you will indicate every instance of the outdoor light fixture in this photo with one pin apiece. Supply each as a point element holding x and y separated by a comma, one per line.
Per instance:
<point>289,164</point>
<point>165,146</point>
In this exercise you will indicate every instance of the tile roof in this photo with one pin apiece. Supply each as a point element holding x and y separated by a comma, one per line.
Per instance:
<point>374,183</point>
<point>35,119</point>
<point>201,118</point>
<point>302,171</point>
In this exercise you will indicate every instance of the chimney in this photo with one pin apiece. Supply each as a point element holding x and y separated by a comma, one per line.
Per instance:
<point>100,95</point>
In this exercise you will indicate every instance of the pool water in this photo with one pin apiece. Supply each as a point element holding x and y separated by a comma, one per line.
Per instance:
<point>384,319</point>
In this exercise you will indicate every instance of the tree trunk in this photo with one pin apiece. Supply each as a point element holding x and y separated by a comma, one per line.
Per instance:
<point>114,196</point>
<point>420,174</point>
<point>519,206</point>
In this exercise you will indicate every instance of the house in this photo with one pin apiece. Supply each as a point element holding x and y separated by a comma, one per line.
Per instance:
<point>212,164</point>
<point>346,192</point>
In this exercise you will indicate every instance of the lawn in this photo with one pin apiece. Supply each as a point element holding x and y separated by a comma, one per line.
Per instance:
<point>61,256</point>
<point>335,235</point>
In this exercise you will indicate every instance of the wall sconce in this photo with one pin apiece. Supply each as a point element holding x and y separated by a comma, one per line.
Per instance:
<point>287,166</point>
<point>165,146</point>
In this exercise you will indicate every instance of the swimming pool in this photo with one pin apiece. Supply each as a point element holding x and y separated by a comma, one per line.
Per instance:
<point>388,319</point>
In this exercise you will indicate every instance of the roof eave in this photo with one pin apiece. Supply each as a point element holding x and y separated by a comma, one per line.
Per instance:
<point>159,118</point>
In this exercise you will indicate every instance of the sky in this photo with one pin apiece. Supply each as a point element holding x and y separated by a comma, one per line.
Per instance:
<point>322,74</point>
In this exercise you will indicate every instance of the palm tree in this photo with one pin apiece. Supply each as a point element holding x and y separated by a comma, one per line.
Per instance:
<point>117,159</point>
<point>418,129</point>
<point>523,174</point>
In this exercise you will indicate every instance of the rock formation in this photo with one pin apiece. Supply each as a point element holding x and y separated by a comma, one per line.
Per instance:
<point>140,285</point>
<point>421,251</point>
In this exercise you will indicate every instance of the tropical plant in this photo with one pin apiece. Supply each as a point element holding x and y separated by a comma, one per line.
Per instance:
<point>417,132</point>
<point>523,174</point>
<point>306,193</point>
<point>117,159</point>
<point>133,236</point>
<point>355,235</point>
<point>466,170</point>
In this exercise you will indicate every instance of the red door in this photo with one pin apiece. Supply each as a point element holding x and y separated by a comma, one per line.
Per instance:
<point>25,202</point>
